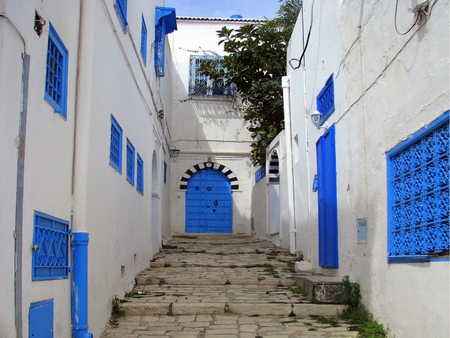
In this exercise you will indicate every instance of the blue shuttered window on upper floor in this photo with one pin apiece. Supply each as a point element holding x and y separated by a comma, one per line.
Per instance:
<point>144,41</point>
<point>121,7</point>
<point>418,195</point>
<point>165,23</point>
<point>131,154</point>
<point>202,85</point>
<point>325,99</point>
<point>115,147</point>
<point>56,73</point>
<point>50,247</point>
<point>140,175</point>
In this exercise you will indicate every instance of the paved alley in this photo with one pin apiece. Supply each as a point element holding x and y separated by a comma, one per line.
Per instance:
<point>228,286</point>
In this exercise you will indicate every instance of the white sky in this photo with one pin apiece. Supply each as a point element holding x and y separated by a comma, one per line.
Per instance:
<point>249,9</point>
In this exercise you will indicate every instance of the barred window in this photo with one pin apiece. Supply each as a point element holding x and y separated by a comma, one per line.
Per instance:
<point>202,85</point>
<point>418,195</point>
<point>130,162</point>
<point>144,41</point>
<point>115,147</point>
<point>140,175</point>
<point>160,46</point>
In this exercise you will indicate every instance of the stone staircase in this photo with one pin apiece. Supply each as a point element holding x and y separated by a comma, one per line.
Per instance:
<point>214,278</point>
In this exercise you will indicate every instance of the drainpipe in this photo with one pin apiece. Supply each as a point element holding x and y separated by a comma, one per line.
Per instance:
<point>80,162</point>
<point>286,83</point>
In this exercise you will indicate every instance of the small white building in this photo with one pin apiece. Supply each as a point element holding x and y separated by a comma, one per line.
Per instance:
<point>371,181</point>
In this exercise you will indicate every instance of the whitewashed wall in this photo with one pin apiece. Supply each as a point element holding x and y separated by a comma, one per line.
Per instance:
<point>206,129</point>
<point>387,87</point>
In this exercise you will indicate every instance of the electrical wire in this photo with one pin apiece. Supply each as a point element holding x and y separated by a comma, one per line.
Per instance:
<point>395,21</point>
<point>291,61</point>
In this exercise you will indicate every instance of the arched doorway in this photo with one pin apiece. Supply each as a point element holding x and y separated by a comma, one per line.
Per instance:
<point>155,205</point>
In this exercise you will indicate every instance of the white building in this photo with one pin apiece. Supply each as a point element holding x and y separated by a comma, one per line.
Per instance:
<point>372,184</point>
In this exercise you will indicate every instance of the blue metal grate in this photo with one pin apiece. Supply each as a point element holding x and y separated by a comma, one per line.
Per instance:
<point>130,162</point>
<point>115,150</point>
<point>144,41</point>
<point>325,99</point>
<point>121,6</point>
<point>418,194</point>
<point>50,247</point>
<point>56,73</point>
<point>140,175</point>
<point>160,43</point>
<point>202,85</point>
<point>260,174</point>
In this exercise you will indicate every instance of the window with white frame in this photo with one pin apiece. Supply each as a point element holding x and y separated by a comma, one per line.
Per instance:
<point>56,73</point>
<point>202,85</point>
<point>115,146</point>
<point>131,154</point>
<point>418,195</point>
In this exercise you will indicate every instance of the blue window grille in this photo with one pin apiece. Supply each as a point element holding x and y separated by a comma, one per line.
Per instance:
<point>144,41</point>
<point>418,195</point>
<point>165,172</point>
<point>56,73</point>
<point>115,148</point>
<point>140,175</point>
<point>260,174</point>
<point>130,162</point>
<point>202,85</point>
<point>121,7</point>
<point>50,248</point>
<point>160,47</point>
<point>325,99</point>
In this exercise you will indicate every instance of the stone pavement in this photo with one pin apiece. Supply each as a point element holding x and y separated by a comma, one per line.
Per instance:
<point>227,286</point>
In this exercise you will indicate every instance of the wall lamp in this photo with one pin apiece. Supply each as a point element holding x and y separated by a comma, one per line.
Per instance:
<point>174,152</point>
<point>316,119</point>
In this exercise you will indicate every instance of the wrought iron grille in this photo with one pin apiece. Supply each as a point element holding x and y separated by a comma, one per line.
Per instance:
<point>160,43</point>
<point>50,247</point>
<point>325,99</point>
<point>419,195</point>
<point>202,85</point>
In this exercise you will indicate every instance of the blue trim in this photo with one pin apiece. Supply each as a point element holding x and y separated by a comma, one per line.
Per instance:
<point>169,16</point>
<point>325,99</point>
<point>80,285</point>
<point>260,174</point>
<point>50,259</point>
<point>56,78</point>
<point>140,175</point>
<point>131,154</point>
<point>115,146</point>
<point>121,6</point>
<point>40,319</point>
<point>165,172</point>
<point>418,190</point>
<point>144,41</point>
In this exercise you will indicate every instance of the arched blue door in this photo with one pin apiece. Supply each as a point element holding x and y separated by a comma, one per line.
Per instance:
<point>209,203</point>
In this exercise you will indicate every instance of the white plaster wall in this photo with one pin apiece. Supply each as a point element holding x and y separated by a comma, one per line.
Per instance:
<point>387,87</point>
<point>205,129</point>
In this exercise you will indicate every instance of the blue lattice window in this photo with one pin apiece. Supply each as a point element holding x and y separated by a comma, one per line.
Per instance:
<point>121,7</point>
<point>115,147</point>
<point>202,85</point>
<point>260,174</point>
<point>56,73</point>
<point>140,175</point>
<point>418,195</point>
<point>325,99</point>
<point>50,247</point>
<point>144,41</point>
<point>130,162</point>
<point>160,47</point>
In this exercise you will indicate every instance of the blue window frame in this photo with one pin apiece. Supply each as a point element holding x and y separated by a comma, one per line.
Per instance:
<point>140,175</point>
<point>165,23</point>
<point>131,154</point>
<point>260,174</point>
<point>144,41</point>
<point>325,99</point>
<point>202,85</point>
<point>56,73</point>
<point>115,148</point>
<point>121,7</point>
<point>50,247</point>
<point>165,172</point>
<point>418,195</point>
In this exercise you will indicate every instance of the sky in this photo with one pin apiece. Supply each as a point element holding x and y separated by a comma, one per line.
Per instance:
<point>249,9</point>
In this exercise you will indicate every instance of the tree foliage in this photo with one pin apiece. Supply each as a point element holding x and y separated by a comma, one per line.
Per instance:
<point>255,63</point>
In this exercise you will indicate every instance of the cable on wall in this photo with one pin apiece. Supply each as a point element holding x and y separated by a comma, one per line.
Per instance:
<point>299,61</point>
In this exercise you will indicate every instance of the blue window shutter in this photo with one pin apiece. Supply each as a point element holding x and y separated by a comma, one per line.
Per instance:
<point>325,99</point>
<point>140,175</point>
<point>121,7</point>
<point>130,162</point>
<point>56,73</point>
<point>50,247</point>
<point>165,23</point>
<point>115,150</point>
<point>418,195</point>
<point>165,172</point>
<point>144,41</point>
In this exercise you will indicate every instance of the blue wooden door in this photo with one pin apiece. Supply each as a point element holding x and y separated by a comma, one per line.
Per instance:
<point>327,194</point>
<point>40,319</point>
<point>208,203</point>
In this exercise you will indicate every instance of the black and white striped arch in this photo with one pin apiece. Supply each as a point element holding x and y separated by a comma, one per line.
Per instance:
<point>209,165</point>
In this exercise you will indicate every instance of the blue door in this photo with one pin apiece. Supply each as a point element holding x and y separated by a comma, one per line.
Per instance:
<point>40,319</point>
<point>327,194</point>
<point>208,203</point>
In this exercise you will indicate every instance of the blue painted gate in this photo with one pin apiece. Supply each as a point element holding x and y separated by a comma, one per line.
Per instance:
<point>327,194</point>
<point>209,203</point>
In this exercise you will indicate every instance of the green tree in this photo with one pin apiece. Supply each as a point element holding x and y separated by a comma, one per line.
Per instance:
<point>255,63</point>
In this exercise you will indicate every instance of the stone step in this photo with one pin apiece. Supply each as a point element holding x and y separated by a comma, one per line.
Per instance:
<point>324,289</point>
